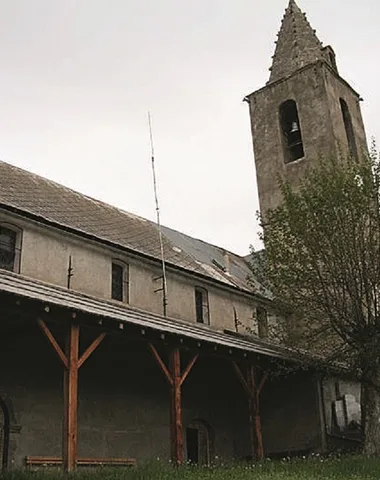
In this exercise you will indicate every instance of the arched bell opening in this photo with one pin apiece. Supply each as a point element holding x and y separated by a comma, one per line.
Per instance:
<point>291,131</point>
<point>346,115</point>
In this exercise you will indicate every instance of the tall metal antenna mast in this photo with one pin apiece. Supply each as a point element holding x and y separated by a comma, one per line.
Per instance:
<point>164,283</point>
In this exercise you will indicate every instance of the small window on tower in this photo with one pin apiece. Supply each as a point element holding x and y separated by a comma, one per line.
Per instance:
<point>291,131</point>
<point>202,313</point>
<point>349,129</point>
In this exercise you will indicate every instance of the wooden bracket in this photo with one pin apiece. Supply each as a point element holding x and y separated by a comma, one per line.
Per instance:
<point>86,354</point>
<point>264,378</point>
<point>53,342</point>
<point>161,364</point>
<point>249,384</point>
<point>240,375</point>
<point>188,369</point>
<point>166,371</point>
<point>94,345</point>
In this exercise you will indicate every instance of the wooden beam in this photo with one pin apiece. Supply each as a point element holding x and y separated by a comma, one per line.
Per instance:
<point>53,342</point>
<point>249,382</point>
<point>243,381</point>
<point>256,406</point>
<point>262,381</point>
<point>161,364</point>
<point>252,411</point>
<point>255,417</point>
<point>188,369</point>
<point>259,437</point>
<point>94,345</point>
<point>70,426</point>
<point>176,428</point>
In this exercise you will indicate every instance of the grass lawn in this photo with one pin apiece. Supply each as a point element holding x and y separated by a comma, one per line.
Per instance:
<point>340,468</point>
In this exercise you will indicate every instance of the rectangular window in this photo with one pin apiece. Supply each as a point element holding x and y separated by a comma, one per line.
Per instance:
<point>202,313</point>
<point>262,322</point>
<point>120,282</point>
<point>7,248</point>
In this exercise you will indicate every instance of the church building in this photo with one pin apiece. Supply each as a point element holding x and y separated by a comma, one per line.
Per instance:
<point>107,358</point>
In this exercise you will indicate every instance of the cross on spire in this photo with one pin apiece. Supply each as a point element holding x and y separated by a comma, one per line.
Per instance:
<point>297,44</point>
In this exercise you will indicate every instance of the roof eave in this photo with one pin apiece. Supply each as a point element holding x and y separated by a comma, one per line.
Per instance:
<point>134,252</point>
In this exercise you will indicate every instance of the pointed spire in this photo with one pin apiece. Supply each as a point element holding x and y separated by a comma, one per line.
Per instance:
<point>297,44</point>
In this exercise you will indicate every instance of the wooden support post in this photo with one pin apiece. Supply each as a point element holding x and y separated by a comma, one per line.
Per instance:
<point>176,409</point>
<point>257,416</point>
<point>254,414</point>
<point>175,379</point>
<point>71,362</point>
<point>253,390</point>
<point>70,426</point>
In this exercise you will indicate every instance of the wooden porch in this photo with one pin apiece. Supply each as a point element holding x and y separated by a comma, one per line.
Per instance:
<point>174,347</point>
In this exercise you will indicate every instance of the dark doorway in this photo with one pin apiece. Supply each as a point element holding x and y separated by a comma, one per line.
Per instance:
<point>4,434</point>
<point>198,443</point>
<point>192,445</point>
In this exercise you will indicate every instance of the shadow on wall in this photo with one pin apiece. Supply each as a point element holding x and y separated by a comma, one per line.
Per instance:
<point>4,434</point>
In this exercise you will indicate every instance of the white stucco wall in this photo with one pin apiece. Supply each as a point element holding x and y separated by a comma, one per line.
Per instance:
<point>45,256</point>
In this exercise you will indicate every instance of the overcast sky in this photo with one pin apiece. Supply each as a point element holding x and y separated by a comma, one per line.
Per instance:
<point>79,76</point>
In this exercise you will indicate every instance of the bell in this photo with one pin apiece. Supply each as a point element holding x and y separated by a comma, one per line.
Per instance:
<point>295,127</point>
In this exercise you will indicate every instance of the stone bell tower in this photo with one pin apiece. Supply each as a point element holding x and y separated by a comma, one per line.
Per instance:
<point>305,111</point>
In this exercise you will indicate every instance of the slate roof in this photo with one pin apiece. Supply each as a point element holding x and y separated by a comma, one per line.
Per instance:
<point>32,194</point>
<point>297,44</point>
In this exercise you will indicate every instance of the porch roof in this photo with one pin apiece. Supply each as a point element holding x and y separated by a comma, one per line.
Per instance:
<point>21,286</point>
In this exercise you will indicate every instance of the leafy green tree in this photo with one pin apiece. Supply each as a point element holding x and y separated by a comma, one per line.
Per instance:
<point>322,263</point>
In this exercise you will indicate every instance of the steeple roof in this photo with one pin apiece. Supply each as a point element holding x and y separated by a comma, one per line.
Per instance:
<point>297,44</point>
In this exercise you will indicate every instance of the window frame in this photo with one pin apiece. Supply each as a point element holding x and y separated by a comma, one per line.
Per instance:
<point>125,280</point>
<point>262,322</point>
<point>204,318</point>
<point>17,246</point>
